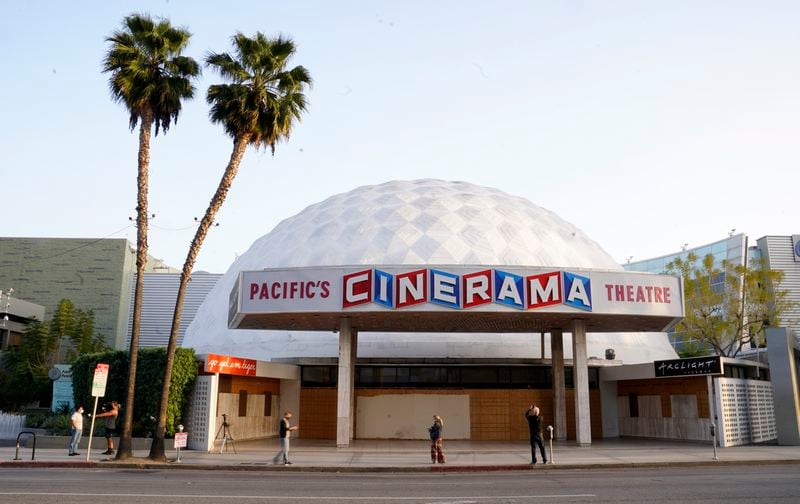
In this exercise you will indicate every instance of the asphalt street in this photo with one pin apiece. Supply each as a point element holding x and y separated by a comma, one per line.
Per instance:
<point>740,484</point>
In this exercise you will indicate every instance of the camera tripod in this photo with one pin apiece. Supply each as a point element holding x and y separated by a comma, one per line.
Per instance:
<point>224,433</point>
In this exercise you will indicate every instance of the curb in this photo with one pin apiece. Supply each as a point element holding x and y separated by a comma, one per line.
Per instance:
<point>386,469</point>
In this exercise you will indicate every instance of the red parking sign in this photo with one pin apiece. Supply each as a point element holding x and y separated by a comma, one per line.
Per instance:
<point>99,381</point>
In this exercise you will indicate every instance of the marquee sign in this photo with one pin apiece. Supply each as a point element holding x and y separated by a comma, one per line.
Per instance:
<point>456,288</point>
<point>226,364</point>
<point>689,367</point>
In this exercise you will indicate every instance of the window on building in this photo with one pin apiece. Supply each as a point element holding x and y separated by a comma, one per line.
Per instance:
<point>242,403</point>
<point>422,376</point>
<point>267,404</point>
<point>479,376</point>
<point>502,377</point>
<point>319,376</point>
<point>633,404</point>
<point>735,371</point>
<point>594,378</point>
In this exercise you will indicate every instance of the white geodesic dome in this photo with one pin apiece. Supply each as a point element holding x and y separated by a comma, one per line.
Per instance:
<point>416,222</point>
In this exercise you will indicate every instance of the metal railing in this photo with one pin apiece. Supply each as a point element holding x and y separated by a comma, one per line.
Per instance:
<point>33,453</point>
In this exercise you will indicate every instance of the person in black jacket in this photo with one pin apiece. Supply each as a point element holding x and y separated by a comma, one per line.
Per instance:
<point>535,428</point>
<point>284,433</point>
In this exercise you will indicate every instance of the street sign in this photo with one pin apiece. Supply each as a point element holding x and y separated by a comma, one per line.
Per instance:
<point>100,379</point>
<point>98,390</point>
<point>180,439</point>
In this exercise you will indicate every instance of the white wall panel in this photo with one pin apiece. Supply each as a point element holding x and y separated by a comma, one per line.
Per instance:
<point>748,411</point>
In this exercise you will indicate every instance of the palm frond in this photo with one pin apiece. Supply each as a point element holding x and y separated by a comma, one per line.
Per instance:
<point>149,74</point>
<point>263,98</point>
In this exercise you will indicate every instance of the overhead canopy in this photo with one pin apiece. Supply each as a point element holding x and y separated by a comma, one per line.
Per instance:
<point>454,298</point>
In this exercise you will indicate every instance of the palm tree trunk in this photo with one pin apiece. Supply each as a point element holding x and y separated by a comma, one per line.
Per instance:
<point>125,448</point>
<point>239,148</point>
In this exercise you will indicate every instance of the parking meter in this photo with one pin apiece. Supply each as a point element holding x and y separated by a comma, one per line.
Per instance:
<point>550,430</point>
<point>178,445</point>
<point>713,429</point>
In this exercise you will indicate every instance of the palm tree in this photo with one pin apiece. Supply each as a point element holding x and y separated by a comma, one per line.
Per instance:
<point>150,77</point>
<point>257,108</point>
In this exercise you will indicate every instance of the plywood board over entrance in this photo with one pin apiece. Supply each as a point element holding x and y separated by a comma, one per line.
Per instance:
<point>408,416</point>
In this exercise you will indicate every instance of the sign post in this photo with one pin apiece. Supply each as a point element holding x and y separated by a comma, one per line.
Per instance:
<point>98,390</point>
<point>180,441</point>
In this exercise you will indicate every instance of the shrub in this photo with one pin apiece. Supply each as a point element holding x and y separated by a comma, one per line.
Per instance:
<point>35,420</point>
<point>149,378</point>
<point>57,425</point>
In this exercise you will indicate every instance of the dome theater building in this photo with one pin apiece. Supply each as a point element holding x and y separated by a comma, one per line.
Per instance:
<point>367,313</point>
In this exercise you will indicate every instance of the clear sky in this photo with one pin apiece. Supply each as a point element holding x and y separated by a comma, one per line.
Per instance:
<point>646,124</point>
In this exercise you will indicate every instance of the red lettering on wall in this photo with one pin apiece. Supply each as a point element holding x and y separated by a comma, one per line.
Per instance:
<point>225,364</point>
<point>411,288</point>
<point>637,293</point>
<point>477,288</point>
<point>544,289</point>
<point>357,288</point>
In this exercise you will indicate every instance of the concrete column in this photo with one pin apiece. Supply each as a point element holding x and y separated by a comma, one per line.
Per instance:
<point>580,379</point>
<point>353,357</point>
<point>559,394</point>
<point>344,403</point>
<point>541,344</point>
<point>609,407</point>
<point>785,387</point>
<point>290,401</point>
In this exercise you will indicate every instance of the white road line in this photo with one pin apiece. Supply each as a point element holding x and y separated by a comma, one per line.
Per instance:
<point>289,497</point>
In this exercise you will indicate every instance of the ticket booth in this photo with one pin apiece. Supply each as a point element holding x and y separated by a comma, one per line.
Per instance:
<point>243,398</point>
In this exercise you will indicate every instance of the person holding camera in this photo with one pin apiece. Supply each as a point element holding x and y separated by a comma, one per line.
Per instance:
<point>437,441</point>
<point>535,429</point>
<point>110,425</point>
<point>286,429</point>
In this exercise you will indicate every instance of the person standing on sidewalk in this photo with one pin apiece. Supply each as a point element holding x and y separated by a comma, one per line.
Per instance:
<point>110,425</point>
<point>437,442</point>
<point>284,433</point>
<point>75,430</point>
<point>535,429</point>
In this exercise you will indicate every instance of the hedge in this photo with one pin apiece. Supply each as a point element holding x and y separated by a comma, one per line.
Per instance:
<point>149,378</point>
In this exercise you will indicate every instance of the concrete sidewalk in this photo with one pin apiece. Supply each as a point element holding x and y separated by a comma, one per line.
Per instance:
<point>406,456</point>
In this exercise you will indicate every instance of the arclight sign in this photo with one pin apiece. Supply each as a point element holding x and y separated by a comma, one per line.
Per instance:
<point>451,288</point>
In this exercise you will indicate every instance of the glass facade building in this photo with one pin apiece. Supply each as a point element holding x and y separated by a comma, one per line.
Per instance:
<point>733,249</point>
